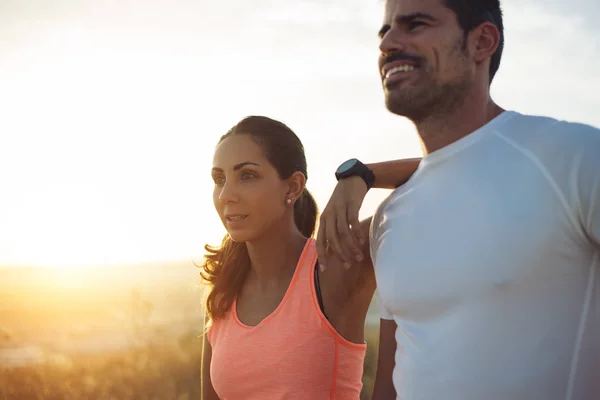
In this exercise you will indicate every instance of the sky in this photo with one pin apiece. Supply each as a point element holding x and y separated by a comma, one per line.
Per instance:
<point>110,110</point>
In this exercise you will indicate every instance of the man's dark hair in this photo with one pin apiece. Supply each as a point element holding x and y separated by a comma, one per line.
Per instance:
<point>472,13</point>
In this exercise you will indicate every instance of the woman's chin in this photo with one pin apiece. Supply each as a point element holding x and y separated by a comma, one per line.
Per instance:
<point>246,234</point>
<point>240,237</point>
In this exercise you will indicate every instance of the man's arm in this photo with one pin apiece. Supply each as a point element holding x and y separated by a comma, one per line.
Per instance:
<point>391,174</point>
<point>384,384</point>
<point>339,227</point>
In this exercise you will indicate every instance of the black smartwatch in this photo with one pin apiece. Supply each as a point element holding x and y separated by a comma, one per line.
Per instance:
<point>353,167</point>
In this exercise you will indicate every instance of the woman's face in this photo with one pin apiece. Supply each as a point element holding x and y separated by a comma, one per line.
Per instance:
<point>249,195</point>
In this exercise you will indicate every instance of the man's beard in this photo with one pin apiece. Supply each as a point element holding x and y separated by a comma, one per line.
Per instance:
<point>426,97</point>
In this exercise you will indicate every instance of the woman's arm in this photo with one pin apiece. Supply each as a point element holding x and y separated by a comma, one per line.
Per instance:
<point>206,389</point>
<point>347,295</point>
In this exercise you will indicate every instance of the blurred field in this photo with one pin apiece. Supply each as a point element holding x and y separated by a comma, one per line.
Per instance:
<point>107,333</point>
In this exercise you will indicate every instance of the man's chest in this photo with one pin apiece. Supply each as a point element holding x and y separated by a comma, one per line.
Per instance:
<point>437,245</point>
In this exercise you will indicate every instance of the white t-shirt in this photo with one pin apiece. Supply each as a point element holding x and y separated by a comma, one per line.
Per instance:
<point>488,261</point>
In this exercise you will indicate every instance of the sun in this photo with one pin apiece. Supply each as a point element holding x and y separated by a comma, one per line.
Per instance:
<point>77,197</point>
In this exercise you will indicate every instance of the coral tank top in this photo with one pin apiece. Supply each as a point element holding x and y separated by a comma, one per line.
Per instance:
<point>294,353</point>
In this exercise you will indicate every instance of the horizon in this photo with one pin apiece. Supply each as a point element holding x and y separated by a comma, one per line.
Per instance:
<point>142,264</point>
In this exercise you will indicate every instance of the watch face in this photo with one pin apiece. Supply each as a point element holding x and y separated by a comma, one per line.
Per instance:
<point>347,165</point>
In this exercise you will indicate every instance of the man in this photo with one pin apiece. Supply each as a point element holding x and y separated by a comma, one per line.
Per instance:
<point>487,260</point>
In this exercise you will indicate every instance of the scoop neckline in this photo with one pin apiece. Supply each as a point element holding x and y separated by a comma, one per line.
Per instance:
<point>285,296</point>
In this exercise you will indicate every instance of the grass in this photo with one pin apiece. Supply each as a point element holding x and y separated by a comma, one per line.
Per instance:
<point>160,359</point>
<point>166,371</point>
<point>161,371</point>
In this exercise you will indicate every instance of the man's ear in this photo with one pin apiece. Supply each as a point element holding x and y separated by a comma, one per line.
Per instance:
<point>483,42</point>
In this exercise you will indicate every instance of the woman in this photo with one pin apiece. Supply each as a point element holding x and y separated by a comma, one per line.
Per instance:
<point>279,327</point>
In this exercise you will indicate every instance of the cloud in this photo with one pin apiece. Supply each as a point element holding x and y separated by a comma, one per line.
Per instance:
<point>587,11</point>
<point>551,60</point>
<point>332,12</point>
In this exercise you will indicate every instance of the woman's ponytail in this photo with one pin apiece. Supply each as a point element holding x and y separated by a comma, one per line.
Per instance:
<point>305,213</point>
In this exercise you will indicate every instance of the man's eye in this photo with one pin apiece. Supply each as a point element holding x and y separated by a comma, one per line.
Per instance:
<point>415,24</point>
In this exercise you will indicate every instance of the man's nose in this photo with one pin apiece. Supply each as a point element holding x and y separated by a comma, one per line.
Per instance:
<point>392,42</point>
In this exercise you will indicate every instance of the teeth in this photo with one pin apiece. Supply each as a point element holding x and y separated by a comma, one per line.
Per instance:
<point>401,68</point>
<point>236,217</point>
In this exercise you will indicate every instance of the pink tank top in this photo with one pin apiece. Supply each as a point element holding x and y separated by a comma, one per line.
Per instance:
<point>294,353</point>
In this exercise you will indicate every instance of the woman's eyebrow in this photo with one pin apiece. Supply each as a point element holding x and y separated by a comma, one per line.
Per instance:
<point>237,166</point>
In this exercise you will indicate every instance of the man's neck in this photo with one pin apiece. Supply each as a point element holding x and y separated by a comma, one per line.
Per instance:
<point>439,131</point>
<point>273,258</point>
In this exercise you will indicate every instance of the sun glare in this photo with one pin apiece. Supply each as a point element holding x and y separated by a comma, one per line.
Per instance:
<point>79,199</point>
<point>112,134</point>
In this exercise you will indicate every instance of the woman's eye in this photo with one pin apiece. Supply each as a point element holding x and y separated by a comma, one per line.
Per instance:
<point>248,175</point>
<point>219,180</point>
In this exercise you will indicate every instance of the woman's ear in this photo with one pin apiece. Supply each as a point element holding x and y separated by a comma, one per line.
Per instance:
<point>296,184</point>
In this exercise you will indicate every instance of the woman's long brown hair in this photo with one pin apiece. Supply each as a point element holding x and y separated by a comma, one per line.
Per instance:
<point>226,267</point>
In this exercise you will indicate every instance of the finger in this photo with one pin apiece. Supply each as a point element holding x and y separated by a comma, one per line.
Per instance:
<point>322,243</point>
<point>345,235</point>
<point>359,235</point>
<point>333,240</point>
<point>357,232</point>
<point>352,218</point>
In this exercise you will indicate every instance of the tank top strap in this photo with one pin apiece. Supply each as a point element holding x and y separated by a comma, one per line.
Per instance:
<point>309,260</point>
<point>311,280</point>
<point>302,287</point>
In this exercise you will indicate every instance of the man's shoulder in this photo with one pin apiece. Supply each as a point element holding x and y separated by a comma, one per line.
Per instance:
<point>563,151</point>
<point>539,133</point>
<point>530,122</point>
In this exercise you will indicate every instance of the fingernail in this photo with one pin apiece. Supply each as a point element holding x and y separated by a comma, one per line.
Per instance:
<point>362,241</point>
<point>322,267</point>
<point>359,257</point>
<point>347,265</point>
